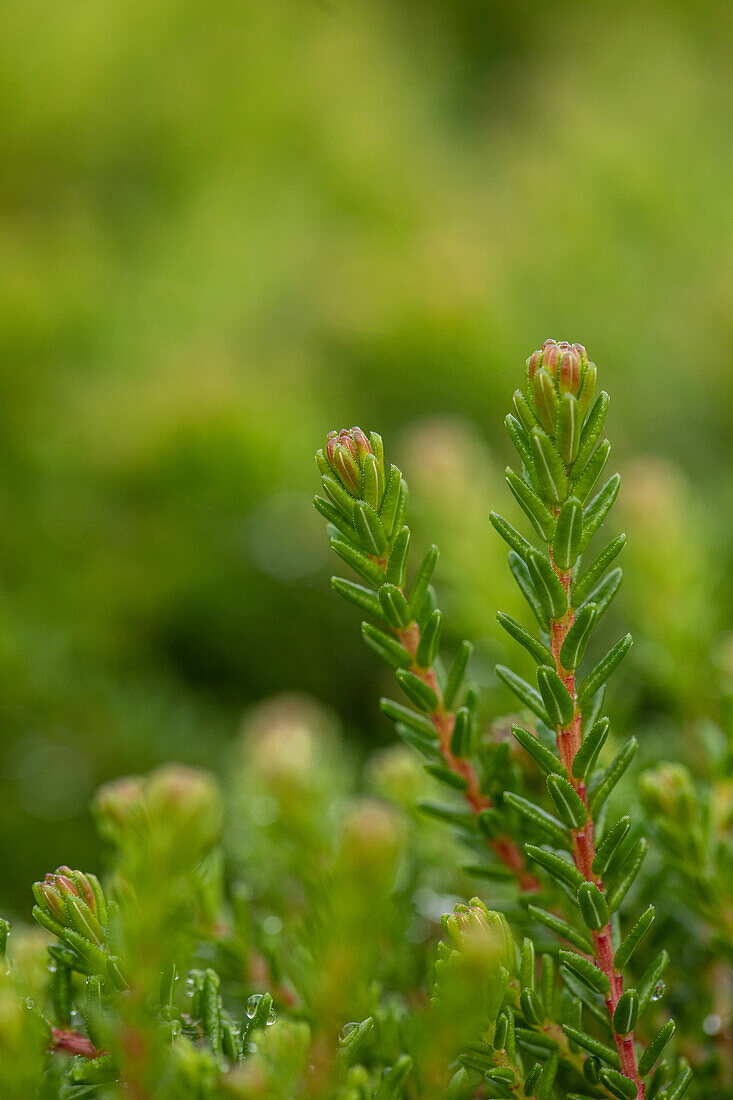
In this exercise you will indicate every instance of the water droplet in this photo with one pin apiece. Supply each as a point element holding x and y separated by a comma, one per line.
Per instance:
<point>658,991</point>
<point>251,1008</point>
<point>251,1048</point>
<point>272,925</point>
<point>712,1024</point>
<point>347,1029</point>
<point>30,1003</point>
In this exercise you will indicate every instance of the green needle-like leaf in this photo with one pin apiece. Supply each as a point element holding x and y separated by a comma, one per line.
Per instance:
<point>625,1014</point>
<point>617,1084</point>
<point>430,640</point>
<point>568,803</point>
<point>520,439</point>
<point>557,865</point>
<point>546,823</point>
<point>576,639</point>
<point>524,691</point>
<point>593,906</point>
<point>511,536</point>
<point>592,1045</point>
<point>335,517</point>
<point>553,480</point>
<point>655,1048</point>
<point>568,534</point>
<point>360,562</point>
<point>612,774</point>
<point>364,598</point>
<point>521,574</point>
<point>603,670</point>
<point>533,507</point>
<point>369,528</point>
<point>547,585</point>
<point>394,606</point>
<point>587,754</point>
<point>343,500</point>
<point>598,509</point>
<point>556,924</point>
<point>558,702</point>
<point>627,874</point>
<point>461,742</point>
<point>585,484</point>
<point>391,501</point>
<point>567,428</point>
<point>399,713</point>
<point>417,691</point>
<point>371,488</point>
<point>533,645</point>
<point>421,581</point>
<point>397,564</point>
<point>650,978</point>
<point>546,759</point>
<point>591,433</point>
<point>456,675</point>
<point>587,971</point>
<point>633,938</point>
<point>386,646</point>
<point>585,584</point>
<point>609,846</point>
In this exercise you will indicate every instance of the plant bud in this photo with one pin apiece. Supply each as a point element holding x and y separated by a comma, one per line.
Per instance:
<point>345,451</point>
<point>345,454</point>
<point>186,802</point>
<point>120,805</point>
<point>371,839</point>
<point>557,370</point>
<point>668,790</point>
<point>482,936</point>
<point>50,898</point>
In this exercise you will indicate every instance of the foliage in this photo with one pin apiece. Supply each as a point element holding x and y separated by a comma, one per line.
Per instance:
<point>223,233</point>
<point>289,936</point>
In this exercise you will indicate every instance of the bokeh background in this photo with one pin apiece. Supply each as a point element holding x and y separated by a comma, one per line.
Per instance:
<point>229,227</point>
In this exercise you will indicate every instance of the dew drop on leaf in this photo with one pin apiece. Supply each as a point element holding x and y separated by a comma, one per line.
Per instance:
<point>347,1029</point>
<point>252,1003</point>
<point>658,991</point>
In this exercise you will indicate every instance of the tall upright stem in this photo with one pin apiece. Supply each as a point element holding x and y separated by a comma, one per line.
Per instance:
<point>568,742</point>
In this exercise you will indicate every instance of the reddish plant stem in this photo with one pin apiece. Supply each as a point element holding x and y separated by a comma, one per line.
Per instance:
<point>568,742</point>
<point>443,722</point>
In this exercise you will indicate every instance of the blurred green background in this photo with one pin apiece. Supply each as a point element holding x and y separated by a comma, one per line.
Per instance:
<point>229,227</point>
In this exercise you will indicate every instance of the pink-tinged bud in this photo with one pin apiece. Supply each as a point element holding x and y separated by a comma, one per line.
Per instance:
<point>534,361</point>
<point>567,366</point>
<point>186,802</point>
<point>362,444</point>
<point>568,372</point>
<point>551,357</point>
<point>65,886</point>
<point>52,898</point>
<point>120,804</point>
<point>84,889</point>
<point>346,451</point>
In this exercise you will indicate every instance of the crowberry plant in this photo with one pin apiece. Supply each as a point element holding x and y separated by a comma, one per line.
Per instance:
<point>316,946</point>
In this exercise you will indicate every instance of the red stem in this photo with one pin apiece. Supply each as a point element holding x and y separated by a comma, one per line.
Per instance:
<point>568,742</point>
<point>443,722</point>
